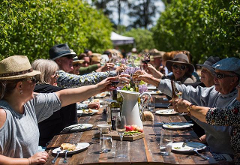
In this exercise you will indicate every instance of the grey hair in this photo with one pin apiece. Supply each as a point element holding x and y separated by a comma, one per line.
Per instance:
<point>47,69</point>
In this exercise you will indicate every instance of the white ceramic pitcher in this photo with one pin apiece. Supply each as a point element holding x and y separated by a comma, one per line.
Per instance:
<point>130,107</point>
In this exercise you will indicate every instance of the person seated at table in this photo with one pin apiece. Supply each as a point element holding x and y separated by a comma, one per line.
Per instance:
<point>21,109</point>
<point>221,95</point>
<point>207,72</point>
<point>88,67</point>
<point>181,68</point>
<point>62,55</point>
<point>66,115</point>
<point>76,66</point>
<point>229,116</point>
<point>207,80</point>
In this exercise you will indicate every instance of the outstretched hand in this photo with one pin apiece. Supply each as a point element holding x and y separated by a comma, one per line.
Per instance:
<point>180,105</point>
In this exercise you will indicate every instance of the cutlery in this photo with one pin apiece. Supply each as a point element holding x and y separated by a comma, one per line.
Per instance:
<point>65,158</point>
<point>184,143</point>
<point>204,157</point>
<point>54,160</point>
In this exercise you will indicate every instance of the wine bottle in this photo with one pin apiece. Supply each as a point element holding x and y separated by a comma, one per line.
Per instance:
<point>115,109</point>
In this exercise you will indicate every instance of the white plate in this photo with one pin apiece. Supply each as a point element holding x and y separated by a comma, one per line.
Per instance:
<point>177,125</point>
<point>154,92</point>
<point>151,87</point>
<point>166,112</point>
<point>87,112</point>
<point>79,147</point>
<point>76,128</point>
<point>177,146</point>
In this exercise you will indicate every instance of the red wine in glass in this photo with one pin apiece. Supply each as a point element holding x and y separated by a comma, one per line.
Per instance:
<point>145,61</point>
<point>114,83</point>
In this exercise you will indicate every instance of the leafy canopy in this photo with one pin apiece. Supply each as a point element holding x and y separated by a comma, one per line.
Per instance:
<point>32,27</point>
<point>203,27</point>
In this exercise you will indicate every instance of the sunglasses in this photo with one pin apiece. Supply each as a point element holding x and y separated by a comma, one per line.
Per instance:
<point>221,75</point>
<point>68,56</point>
<point>77,65</point>
<point>32,79</point>
<point>181,67</point>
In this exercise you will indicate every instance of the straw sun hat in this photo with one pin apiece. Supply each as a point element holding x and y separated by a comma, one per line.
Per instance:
<point>16,67</point>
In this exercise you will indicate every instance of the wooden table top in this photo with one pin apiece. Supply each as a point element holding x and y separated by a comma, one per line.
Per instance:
<point>141,151</point>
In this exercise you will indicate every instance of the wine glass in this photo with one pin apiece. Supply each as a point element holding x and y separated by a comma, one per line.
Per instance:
<point>146,58</point>
<point>121,128</point>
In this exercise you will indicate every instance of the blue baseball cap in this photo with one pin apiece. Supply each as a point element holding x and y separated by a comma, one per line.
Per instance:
<point>231,64</point>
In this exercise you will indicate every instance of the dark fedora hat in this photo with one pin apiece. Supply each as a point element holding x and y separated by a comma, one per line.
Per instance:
<point>180,59</point>
<point>209,62</point>
<point>60,50</point>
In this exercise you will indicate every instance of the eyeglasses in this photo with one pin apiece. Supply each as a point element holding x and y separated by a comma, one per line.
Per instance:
<point>181,67</point>
<point>85,62</point>
<point>68,56</point>
<point>221,75</point>
<point>32,79</point>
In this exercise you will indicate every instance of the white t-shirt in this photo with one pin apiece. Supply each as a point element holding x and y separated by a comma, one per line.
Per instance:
<point>19,135</point>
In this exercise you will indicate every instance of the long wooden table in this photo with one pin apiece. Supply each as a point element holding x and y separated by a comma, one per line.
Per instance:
<point>141,151</point>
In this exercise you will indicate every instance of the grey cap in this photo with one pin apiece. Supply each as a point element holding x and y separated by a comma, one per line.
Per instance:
<point>231,64</point>
<point>209,62</point>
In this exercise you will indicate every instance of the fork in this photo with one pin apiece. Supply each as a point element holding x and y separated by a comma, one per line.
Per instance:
<point>65,158</point>
<point>54,160</point>
<point>204,157</point>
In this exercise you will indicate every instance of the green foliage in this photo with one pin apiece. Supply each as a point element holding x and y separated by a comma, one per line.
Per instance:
<point>32,27</point>
<point>204,27</point>
<point>143,39</point>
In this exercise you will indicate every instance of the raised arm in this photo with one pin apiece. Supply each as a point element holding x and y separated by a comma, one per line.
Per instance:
<point>148,78</point>
<point>73,95</point>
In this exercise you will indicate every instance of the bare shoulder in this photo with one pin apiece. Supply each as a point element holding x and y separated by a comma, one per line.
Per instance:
<point>3,117</point>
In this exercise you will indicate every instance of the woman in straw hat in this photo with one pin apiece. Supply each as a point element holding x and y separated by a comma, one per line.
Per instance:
<point>21,109</point>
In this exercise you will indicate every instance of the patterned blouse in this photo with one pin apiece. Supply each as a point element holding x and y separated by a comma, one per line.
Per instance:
<point>228,117</point>
<point>67,80</point>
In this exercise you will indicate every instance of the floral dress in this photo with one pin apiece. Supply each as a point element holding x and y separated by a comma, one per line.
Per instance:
<point>229,116</point>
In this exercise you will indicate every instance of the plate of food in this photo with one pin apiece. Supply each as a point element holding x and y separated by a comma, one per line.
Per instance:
<point>87,111</point>
<point>177,125</point>
<point>71,148</point>
<point>77,128</point>
<point>101,95</point>
<point>187,146</point>
<point>166,112</point>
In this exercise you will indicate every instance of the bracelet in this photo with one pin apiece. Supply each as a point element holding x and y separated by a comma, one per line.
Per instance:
<point>189,109</point>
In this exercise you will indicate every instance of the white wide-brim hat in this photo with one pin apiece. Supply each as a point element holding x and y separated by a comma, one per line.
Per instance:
<point>16,67</point>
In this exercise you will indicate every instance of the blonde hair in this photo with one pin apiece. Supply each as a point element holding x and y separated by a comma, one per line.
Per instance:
<point>47,69</point>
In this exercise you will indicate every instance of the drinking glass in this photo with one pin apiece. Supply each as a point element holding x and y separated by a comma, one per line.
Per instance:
<point>151,104</point>
<point>121,128</point>
<point>166,142</point>
<point>106,144</point>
